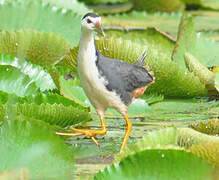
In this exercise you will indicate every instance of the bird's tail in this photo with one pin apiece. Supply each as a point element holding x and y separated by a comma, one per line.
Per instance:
<point>140,60</point>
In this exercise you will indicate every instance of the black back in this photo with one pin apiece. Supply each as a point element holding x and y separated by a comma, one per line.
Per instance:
<point>122,77</point>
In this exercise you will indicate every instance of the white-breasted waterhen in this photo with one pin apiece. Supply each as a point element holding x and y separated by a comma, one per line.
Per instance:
<point>108,83</point>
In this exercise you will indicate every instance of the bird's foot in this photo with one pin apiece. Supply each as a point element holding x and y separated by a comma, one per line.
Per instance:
<point>86,132</point>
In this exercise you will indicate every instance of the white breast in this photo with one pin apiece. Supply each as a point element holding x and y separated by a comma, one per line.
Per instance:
<point>93,84</point>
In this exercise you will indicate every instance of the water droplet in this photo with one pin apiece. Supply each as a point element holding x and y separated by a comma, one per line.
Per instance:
<point>64,11</point>
<point>106,49</point>
<point>54,8</point>
<point>162,155</point>
<point>7,69</point>
<point>16,43</point>
<point>2,1</point>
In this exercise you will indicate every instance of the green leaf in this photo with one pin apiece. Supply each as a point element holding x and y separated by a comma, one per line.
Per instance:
<point>189,137</point>
<point>75,93</point>
<point>206,21</point>
<point>14,81</point>
<point>217,81</point>
<point>210,127</point>
<point>158,164</point>
<point>51,98</point>
<point>40,98</point>
<point>159,5</point>
<point>153,98</point>
<point>165,22</point>
<point>214,4</point>
<point>41,48</point>
<point>187,41</point>
<point>31,145</point>
<point>55,114</point>
<point>208,151</point>
<point>36,73</point>
<point>186,105</point>
<point>33,15</point>
<point>3,97</point>
<point>192,2</point>
<point>108,8</point>
<point>205,76</point>
<point>165,138</point>
<point>168,138</point>
<point>51,108</point>
<point>103,1</point>
<point>73,5</point>
<point>151,37</point>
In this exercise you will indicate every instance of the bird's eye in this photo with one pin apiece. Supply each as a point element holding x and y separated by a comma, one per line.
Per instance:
<point>89,21</point>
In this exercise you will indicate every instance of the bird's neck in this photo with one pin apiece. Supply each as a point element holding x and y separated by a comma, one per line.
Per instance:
<point>87,44</point>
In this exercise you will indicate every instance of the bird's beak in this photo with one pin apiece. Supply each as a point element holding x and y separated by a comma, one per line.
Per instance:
<point>99,28</point>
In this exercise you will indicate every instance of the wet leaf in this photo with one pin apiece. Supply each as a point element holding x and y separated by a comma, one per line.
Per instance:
<point>25,15</point>
<point>73,5</point>
<point>187,41</point>
<point>75,93</point>
<point>40,48</point>
<point>31,145</point>
<point>168,138</point>
<point>36,73</point>
<point>14,81</point>
<point>158,164</point>
<point>56,114</point>
<point>51,108</point>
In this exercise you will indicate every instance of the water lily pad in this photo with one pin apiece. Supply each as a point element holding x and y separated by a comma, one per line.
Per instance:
<point>14,81</point>
<point>158,164</point>
<point>31,145</point>
<point>36,73</point>
<point>26,15</point>
<point>188,41</point>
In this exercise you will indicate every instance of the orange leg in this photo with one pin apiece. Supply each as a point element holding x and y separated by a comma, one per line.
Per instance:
<point>128,131</point>
<point>87,132</point>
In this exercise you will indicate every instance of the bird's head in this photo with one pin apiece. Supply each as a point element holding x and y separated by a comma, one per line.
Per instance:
<point>91,22</point>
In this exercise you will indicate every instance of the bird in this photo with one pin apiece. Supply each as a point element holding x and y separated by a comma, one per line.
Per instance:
<point>107,82</point>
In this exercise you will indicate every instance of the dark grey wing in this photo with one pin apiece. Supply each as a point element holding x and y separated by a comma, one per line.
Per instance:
<point>121,76</point>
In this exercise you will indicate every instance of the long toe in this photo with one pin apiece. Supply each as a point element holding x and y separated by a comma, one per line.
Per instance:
<point>89,132</point>
<point>69,134</point>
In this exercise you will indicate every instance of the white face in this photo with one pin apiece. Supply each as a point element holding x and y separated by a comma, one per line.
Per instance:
<point>91,23</point>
